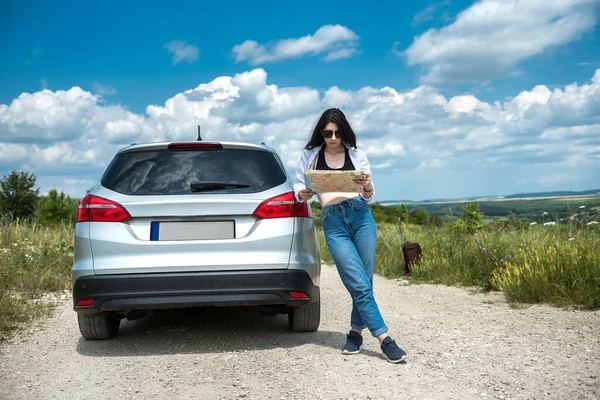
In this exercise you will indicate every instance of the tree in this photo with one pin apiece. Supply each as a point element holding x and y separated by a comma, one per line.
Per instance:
<point>17,196</point>
<point>472,217</point>
<point>57,208</point>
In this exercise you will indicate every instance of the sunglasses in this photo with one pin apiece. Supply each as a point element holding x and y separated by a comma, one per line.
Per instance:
<point>329,133</point>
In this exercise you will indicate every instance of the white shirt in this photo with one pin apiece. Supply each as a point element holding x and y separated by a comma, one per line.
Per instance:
<point>358,157</point>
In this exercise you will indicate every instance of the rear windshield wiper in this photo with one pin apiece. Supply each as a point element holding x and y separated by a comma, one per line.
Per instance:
<point>205,186</point>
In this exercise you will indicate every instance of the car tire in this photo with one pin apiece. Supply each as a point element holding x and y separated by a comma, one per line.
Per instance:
<point>98,327</point>
<point>305,319</point>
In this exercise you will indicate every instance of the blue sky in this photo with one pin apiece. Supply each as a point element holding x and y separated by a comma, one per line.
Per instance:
<point>448,98</point>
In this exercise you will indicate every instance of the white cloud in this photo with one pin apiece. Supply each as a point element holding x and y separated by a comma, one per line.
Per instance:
<point>429,12</point>
<point>13,153</point>
<point>385,148</point>
<point>572,132</point>
<point>45,115</point>
<point>491,37</point>
<point>342,53</point>
<point>335,40</point>
<point>467,104</point>
<point>67,137</point>
<point>182,51</point>
<point>385,164</point>
<point>103,90</point>
<point>424,15</point>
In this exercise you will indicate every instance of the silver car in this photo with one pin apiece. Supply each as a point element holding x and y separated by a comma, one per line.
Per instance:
<point>188,224</point>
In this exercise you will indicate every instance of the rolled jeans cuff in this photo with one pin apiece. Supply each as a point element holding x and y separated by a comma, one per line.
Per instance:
<point>380,331</point>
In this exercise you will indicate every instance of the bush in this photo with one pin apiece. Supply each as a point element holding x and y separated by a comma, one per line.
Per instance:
<point>470,221</point>
<point>57,208</point>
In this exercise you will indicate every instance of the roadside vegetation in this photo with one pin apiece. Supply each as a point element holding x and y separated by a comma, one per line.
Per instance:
<point>36,249</point>
<point>554,261</point>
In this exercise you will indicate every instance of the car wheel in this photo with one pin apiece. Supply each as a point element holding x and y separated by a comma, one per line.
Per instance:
<point>305,319</point>
<point>98,327</point>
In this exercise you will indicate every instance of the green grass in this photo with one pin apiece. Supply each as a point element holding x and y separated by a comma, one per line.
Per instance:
<point>558,265</point>
<point>34,261</point>
<point>540,264</point>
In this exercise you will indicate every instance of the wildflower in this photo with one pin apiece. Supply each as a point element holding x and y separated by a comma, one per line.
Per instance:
<point>533,223</point>
<point>551,223</point>
<point>571,239</point>
<point>581,206</point>
<point>593,223</point>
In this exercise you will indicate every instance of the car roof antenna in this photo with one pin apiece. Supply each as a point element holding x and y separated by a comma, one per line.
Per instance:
<point>199,137</point>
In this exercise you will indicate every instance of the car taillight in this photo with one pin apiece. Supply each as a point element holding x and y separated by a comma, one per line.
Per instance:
<point>98,209</point>
<point>282,206</point>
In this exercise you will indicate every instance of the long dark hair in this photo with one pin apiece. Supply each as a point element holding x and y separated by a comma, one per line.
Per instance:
<point>337,116</point>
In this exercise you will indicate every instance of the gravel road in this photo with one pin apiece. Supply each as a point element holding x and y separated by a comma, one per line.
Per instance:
<point>461,345</point>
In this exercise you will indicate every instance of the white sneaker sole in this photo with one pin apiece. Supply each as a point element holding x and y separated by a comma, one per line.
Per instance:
<point>395,361</point>
<point>349,353</point>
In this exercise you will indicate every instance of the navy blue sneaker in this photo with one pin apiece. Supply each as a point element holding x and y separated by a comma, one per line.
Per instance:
<point>354,343</point>
<point>392,352</point>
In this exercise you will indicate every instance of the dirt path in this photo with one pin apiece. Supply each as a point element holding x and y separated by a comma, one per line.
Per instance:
<point>460,346</point>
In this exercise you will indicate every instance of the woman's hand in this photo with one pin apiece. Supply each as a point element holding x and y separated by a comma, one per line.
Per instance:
<point>364,181</point>
<point>306,194</point>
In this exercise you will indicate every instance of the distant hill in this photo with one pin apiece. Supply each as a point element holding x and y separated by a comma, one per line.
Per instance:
<point>557,193</point>
<point>528,206</point>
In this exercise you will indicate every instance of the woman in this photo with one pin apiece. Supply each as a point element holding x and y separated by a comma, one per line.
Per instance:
<point>349,227</point>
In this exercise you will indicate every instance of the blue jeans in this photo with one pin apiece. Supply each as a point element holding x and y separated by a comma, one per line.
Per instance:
<point>351,237</point>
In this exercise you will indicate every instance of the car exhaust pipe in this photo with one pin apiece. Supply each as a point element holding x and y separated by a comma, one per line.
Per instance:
<point>135,314</point>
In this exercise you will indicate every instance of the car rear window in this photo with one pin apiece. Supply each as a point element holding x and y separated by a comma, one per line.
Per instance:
<point>166,172</point>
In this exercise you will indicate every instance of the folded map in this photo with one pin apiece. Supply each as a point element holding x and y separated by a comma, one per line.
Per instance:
<point>323,181</point>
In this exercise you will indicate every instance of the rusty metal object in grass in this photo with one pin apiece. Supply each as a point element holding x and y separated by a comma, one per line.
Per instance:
<point>411,250</point>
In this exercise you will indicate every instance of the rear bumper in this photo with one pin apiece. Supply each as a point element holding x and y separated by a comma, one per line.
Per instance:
<point>123,293</point>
